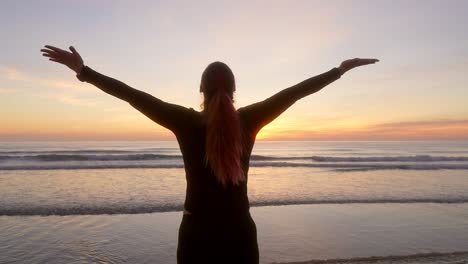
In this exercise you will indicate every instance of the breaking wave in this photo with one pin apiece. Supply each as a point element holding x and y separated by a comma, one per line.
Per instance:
<point>142,208</point>
<point>112,159</point>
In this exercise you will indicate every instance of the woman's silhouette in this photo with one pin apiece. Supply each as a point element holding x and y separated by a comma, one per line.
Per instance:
<point>216,144</point>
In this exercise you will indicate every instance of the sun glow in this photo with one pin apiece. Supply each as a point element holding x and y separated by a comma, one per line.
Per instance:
<point>415,92</point>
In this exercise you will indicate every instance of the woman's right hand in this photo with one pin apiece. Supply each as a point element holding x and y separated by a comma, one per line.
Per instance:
<point>71,59</point>
<point>353,63</point>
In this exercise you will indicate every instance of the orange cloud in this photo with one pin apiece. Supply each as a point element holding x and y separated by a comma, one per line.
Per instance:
<point>85,135</point>
<point>417,130</point>
<point>12,73</point>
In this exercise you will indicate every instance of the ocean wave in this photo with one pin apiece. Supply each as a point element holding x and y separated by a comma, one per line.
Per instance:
<point>332,166</point>
<point>82,157</point>
<point>85,151</point>
<point>90,166</point>
<point>456,257</point>
<point>415,158</point>
<point>97,209</point>
<point>130,156</point>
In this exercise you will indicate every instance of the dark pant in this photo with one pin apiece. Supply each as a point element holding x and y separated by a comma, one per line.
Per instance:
<point>217,239</point>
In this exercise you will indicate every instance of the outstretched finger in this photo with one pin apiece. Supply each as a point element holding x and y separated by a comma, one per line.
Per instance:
<point>73,50</point>
<point>369,61</point>
<point>50,55</point>
<point>50,52</point>
<point>47,50</point>
<point>54,48</point>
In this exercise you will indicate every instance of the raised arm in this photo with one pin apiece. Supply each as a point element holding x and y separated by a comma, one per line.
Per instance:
<point>260,114</point>
<point>168,115</point>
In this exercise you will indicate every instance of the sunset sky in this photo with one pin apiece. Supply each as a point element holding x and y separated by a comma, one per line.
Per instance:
<point>418,90</point>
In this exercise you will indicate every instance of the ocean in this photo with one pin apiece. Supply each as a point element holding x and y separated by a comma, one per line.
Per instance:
<point>325,202</point>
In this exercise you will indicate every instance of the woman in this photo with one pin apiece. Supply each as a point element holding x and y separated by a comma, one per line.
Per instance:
<point>216,144</point>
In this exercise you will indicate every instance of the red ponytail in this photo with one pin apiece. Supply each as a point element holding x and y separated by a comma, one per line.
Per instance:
<point>223,132</point>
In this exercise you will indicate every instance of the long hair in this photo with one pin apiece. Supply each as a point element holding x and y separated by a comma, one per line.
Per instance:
<point>223,133</point>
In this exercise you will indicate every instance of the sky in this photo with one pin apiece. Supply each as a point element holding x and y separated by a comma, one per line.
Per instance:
<point>418,90</point>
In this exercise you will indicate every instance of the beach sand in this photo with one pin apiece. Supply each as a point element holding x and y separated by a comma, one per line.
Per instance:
<point>286,234</point>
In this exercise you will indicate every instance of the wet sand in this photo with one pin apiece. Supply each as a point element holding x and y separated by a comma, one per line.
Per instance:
<point>291,233</point>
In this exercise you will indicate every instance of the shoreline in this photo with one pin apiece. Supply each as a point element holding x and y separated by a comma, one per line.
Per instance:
<point>80,211</point>
<point>435,257</point>
<point>286,234</point>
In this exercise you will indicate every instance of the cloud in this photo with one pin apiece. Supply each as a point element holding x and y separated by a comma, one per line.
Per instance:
<point>67,92</point>
<point>423,124</point>
<point>125,117</point>
<point>6,91</point>
<point>59,83</point>
<point>83,135</point>
<point>411,130</point>
<point>76,101</point>
<point>12,73</point>
<point>432,129</point>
